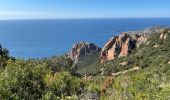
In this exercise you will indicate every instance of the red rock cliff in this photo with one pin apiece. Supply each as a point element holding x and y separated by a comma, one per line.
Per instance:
<point>121,45</point>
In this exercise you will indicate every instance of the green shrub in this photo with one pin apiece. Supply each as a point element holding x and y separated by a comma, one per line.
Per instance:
<point>60,63</point>
<point>21,80</point>
<point>63,84</point>
<point>93,87</point>
<point>50,96</point>
<point>4,56</point>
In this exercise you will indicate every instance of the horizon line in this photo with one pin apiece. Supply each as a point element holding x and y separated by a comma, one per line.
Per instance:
<point>83,18</point>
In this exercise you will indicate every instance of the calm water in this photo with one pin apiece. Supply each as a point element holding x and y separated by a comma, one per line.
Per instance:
<point>43,38</point>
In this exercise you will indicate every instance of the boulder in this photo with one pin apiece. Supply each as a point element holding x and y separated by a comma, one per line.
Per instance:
<point>156,46</point>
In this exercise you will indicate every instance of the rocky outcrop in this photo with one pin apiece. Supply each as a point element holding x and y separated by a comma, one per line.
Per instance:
<point>122,45</point>
<point>81,49</point>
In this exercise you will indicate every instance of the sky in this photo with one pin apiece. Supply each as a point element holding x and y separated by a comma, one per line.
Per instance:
<point>50,9</point>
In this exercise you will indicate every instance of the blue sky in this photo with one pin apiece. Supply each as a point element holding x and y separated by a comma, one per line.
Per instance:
<point>39,9</point>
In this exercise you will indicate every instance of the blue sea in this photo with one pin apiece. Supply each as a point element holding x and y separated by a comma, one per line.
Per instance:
<point>44,38</point>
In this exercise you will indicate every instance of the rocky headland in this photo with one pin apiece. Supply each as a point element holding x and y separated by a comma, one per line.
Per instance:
<point>117,46</point>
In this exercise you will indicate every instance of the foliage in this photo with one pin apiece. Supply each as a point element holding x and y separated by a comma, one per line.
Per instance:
<point>21,80</point>
<point>63,84</point>
<point>60,63</point>
<point>50,96</point>
<point>93,87</point>
<point>4,56</point>
<point>89,64</point>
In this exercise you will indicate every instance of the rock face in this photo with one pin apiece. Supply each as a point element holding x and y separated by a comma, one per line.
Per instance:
<point>122,45</point>
<point>81,49</point>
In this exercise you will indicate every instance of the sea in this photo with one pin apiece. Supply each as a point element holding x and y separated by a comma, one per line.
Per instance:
<point>38,38</point>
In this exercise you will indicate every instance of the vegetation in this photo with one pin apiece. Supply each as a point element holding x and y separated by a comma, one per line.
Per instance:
<point>89,64</point>
<point>4,56</point>
<point>56,78</point>
<point>151,82</point>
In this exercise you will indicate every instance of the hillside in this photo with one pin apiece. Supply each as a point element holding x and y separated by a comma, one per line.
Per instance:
<point>151,81</point>
<point>143,73</point>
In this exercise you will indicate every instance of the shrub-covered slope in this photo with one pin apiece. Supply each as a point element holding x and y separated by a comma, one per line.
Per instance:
<point>89,64</point>
<point>151,82</point>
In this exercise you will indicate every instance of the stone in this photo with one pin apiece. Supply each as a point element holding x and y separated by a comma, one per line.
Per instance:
<point>156,46</point>
<point>123,63</point>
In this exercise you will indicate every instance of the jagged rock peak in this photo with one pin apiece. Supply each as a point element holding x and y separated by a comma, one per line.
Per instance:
<point>119,46</point>
<point>81,49</point>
